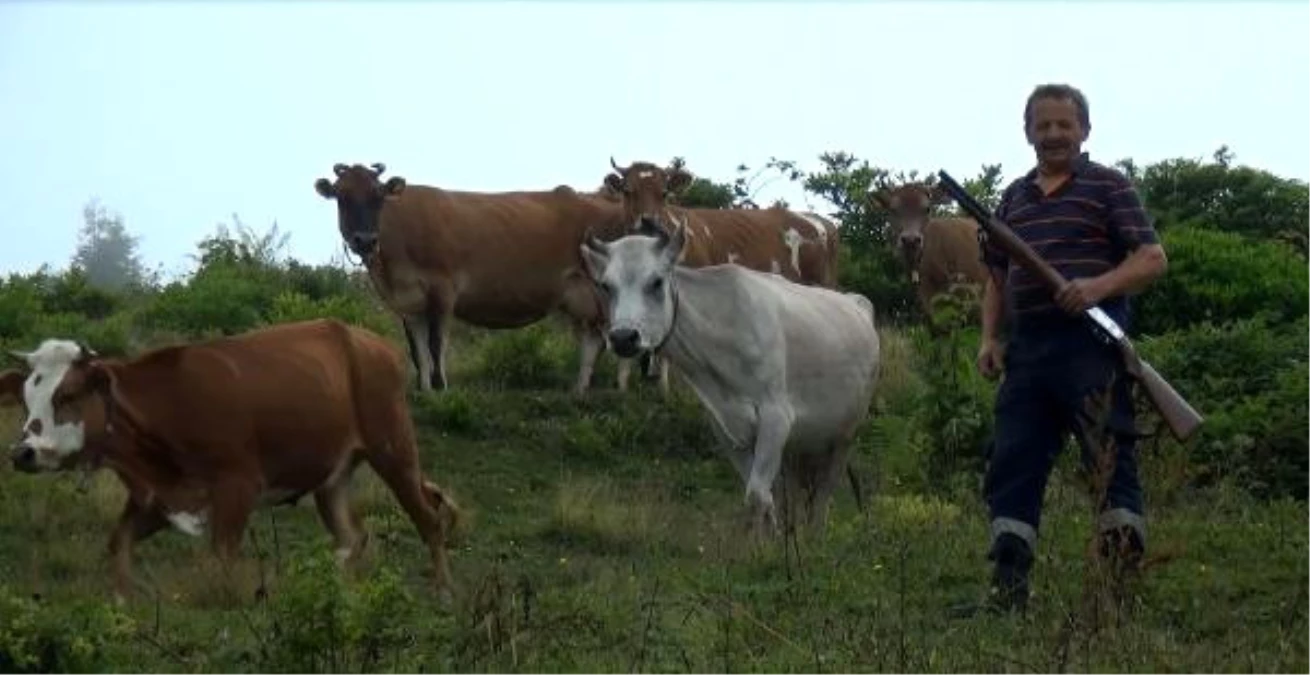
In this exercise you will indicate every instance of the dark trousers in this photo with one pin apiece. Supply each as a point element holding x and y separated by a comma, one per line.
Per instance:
<point>1050,370</point>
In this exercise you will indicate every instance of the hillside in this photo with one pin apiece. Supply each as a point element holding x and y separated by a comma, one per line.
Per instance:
<point>603,531</point>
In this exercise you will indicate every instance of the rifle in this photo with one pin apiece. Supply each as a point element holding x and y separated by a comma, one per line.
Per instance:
<point>1182,419</point>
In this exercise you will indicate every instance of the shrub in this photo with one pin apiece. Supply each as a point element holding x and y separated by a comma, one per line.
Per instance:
<point>80,636</point>
<point>1248,378</point>
<point>1220,276</point>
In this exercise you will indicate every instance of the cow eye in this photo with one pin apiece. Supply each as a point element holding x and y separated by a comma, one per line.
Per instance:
<point>655,285</point>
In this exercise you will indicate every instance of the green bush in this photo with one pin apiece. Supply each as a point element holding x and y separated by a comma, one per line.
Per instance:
<point>81,636</point>
<point>1220,276</point>
<point>1248,378</point>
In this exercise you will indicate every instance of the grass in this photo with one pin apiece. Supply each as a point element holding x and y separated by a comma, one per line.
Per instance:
<point>604,536</point>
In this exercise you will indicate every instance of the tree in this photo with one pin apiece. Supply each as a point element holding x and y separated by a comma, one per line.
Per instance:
<point>106,253</point>
<point>1222,195</point>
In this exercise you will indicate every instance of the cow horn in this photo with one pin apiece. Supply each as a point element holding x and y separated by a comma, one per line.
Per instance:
<point>339,168</point>
<point>378,168</point>
<point>22,356</point>
<point>86,352</point>
<point>622,172</point>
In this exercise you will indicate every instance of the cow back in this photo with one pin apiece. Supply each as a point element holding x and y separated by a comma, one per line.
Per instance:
<point>767,240</point>
<point>506,258</point>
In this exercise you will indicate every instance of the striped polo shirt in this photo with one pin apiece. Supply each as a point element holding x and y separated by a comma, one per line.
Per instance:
<point>1082,229</point>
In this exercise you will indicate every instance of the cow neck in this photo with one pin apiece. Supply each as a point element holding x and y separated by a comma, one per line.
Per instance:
<point>123,424</point>
<point>673,316</point>
<point>681,344</point>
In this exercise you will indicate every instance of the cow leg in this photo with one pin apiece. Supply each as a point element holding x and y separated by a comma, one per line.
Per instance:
<point>417,328</point>
<point>773,427</point>
<point>664,375</point>
<point>424,503</point>
<point>592,342</point>
<point>413,347</point>
<point>828,477</point>
<point>233,500</point>
<point>625,373</point>
<point>333,502</point>
<point>136,523</point>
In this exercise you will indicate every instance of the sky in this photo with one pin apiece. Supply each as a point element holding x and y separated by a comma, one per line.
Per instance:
<point>178,115</point>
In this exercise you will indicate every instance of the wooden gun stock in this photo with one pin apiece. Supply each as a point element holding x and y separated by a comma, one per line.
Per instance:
<point>1182,419</point>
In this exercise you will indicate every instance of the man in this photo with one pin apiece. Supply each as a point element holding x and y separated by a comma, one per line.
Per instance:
<point>1087,221</point>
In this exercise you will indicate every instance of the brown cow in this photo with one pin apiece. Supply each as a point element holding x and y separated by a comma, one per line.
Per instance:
<point>495,260</point>
<point>802,247</point>
<point>210,431</point>
<point>938,251</point>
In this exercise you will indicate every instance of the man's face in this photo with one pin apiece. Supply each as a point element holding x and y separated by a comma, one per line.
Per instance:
<point>1055,132</point>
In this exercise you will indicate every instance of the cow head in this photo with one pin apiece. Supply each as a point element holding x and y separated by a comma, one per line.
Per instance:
<point>910,206</point>
<point>645,189</point>
<point>360,195</point>
<point>62,392</point>
<point>634,275</point>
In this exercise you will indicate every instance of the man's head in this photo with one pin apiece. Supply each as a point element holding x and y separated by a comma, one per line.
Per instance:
<point>633,275</point>
<point>1056,122</point>
<point>645,189</point>
<point>61,391</point>
<point>910,206</point>
<point>359,194</point>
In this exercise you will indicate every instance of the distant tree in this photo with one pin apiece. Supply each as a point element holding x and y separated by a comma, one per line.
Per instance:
<point>106,253</point>
<point>242,246</point>
<point>1221,195</point>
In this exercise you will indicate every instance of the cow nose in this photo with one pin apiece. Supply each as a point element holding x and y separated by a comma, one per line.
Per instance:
<point>23,456</point>
<point>648,224</point>
<point>912,241</point>
<point>362,241</point>
<point>624,342</point>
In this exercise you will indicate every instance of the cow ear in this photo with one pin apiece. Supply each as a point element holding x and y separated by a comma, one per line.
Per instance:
<point>675,242</point>
<point>98,378</point>
<point>937,196</point>
<point>325,188</point>
<point>614,182</point>
<point>11,387</point>
<point>879,199</point>
<point>679,180</point>
<point>393,187</point>
<point>595,256</point>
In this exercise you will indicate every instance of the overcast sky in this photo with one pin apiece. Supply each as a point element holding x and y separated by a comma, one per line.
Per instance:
<point>177,115</point>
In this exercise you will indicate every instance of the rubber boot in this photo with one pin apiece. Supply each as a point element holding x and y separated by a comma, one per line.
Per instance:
<point>1013,560</point>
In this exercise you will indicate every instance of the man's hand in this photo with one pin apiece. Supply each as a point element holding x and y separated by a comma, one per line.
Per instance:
<point>990,358</point>
<point>1079,294</point>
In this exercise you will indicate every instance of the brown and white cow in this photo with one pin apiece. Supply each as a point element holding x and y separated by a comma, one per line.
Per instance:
<point>801,246</point>
<point>203,434</point>
<point>938,251</point>
<point>494,260</point>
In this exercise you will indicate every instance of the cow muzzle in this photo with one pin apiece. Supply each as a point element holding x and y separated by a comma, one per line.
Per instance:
<point>911,249</point>
<point>648,224</point>
<point>625,342</point>
<point>362,243</point>
<point>23,457</point>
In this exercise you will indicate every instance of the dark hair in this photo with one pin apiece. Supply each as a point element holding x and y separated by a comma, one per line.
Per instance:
<point>1059,91</point>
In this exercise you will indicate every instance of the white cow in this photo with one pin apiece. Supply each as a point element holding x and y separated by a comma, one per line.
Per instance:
<point>780,366</point>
